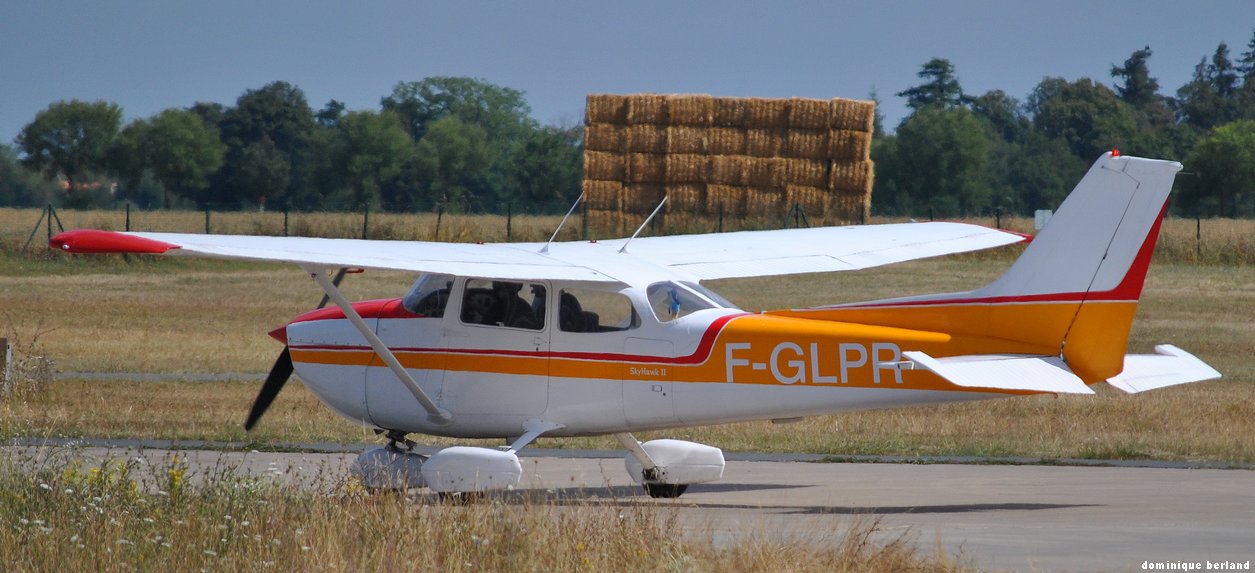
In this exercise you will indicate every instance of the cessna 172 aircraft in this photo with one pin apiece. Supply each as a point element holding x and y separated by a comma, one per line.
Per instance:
<point>517,341</point>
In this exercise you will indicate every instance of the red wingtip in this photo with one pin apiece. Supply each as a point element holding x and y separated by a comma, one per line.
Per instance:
<point>98,242</point>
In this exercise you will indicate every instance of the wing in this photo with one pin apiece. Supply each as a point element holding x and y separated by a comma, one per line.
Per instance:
<point>711,256</point>
<point>822,249</point>
<point>498,260</point>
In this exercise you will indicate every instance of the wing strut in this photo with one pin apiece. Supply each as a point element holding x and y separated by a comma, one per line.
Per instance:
<point>435,414</point>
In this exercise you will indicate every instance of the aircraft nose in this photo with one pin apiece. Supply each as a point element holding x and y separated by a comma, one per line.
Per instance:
<point>280,334</point>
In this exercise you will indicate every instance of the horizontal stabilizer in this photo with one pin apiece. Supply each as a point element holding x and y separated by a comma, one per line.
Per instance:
<point>1000,372</point>
<point>1168,366</point>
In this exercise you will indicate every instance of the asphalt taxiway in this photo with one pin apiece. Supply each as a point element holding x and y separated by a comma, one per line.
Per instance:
<point>1000,517</point>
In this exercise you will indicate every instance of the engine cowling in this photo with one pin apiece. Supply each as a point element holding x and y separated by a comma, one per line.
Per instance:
<point>679,462</point>
<point>468,469</point>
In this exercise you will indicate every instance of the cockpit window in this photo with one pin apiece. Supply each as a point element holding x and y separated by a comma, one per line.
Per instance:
<point>502,303</point>
<point>587,310</point>
<point>670,300</point>
<point>429,295</point>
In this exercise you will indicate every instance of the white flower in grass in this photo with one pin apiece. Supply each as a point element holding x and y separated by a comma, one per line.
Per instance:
<point>211,553</point>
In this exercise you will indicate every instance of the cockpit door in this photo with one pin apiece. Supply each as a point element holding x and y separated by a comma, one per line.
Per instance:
<point>497,349</point>
<point>647,393</point>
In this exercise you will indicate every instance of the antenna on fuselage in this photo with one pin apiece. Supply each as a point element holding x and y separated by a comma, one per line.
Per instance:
<point>545,249</point>
<point>623,249</point>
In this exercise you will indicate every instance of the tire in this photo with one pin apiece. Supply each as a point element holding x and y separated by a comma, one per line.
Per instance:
<point>666,490</point>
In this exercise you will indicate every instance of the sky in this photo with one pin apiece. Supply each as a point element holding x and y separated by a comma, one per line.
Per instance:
<point>150,55</point>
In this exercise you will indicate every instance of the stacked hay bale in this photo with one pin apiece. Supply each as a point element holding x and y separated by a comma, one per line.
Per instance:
<point>742,158</point>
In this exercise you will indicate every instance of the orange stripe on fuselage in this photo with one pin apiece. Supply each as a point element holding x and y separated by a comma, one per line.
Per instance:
<point>748,349</point>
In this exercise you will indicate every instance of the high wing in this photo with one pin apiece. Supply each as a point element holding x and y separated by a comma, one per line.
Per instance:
<point>822,249</point>
<point>723,255</point>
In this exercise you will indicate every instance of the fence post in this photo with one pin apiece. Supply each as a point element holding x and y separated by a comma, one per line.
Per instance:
<point>365,220</point>
<point>6,366</point>
<point>721,217</point>
<point>439,216</point>
<point>285,221</point>
<point>509,221</point>
<point>1198,238</point>
<point>206,220</point>
<point>128,216</point>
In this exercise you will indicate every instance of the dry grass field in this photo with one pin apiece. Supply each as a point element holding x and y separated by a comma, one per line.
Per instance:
<point>116,314</point>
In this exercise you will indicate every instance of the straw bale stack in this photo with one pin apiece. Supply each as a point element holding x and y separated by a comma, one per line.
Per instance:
<point>853,115</point>
<point>726,199</point>
<point>813,200</point>
<point>725,141</point>
<point>604,166</point>
<point>730,112</point>
<point>690,110</point>
<point>806,144</point>
<point>687,198</point>
<point>766,172</point>
<point>645,139</point>
<point>603,195</point>
<point>764,202</point>
<point>606,109</point>
<point>685,139</point>
<point>728,170</point>
<point>604,137</point>
<point>687,168</point>
<point>750,156</point>
<point>809,114</point>
<point>646,109</point>
<point>810,172</point>
<point>767,113</point>
<point>846,145</point>
<point>763,142</point>
<point>851,177</point>
<point>646,168</point>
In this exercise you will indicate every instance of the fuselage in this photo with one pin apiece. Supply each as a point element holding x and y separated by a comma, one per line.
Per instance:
<point>599,358</point>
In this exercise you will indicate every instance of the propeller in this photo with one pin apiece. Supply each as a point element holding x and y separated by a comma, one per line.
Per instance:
<point>279,373</point>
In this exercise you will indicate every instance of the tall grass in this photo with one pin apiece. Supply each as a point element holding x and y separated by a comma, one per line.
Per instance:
<point>57,514</point>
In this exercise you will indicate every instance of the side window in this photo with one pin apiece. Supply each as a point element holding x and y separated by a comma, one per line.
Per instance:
<point>586,310</point>
<point>429,295</point>
<point>504,303</point>
<point>670,301</point>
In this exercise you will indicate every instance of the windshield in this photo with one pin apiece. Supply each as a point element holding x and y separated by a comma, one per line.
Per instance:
<point>670,300</point>
<point>429,295</point>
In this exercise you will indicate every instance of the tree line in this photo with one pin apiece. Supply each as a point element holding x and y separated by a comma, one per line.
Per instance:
<point>466,145</point>
<point>958,153</point>
<point>458,144</point>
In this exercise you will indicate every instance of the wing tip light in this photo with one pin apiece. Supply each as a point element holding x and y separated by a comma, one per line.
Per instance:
<point>103,242</point>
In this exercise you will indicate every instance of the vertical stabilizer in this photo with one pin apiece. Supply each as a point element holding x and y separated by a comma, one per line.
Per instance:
<point>1073,291</point>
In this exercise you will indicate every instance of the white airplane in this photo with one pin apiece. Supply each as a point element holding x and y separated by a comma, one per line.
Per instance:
<point>577,338</point>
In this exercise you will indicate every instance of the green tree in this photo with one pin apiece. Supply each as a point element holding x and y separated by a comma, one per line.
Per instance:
<point>942,88</point>
<point>1086,115</point>
<point>1223,164</point>
<point>20,187</point>
<point>938,163</point>
<point>267,125</point>
<point>1139,89</point>
<point>1003,113</point>
<point>449,155</point>
<point>176,147</point>
<point>368,150</point>
<point>547,168</point>
<point>70,140</point>
<point>502,114</point>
